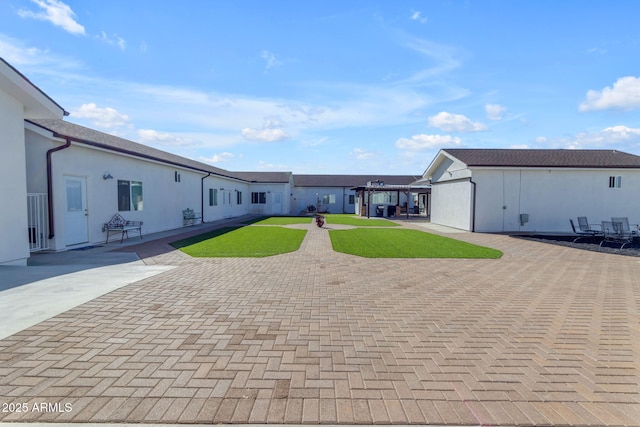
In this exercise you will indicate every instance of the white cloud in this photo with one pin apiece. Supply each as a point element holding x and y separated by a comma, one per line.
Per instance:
<point>615,137</point>
<point>150,136</point>
<point>273,123</point>
<point>103,117</point>
<point>262,165</point>
<point>270,59</point>
<point>271,131</point>
<point>424,142</point>
<point>114,40</point>
<point>268,135</point>
<point>495,111</point>
<point>56,12</point>
<point>449,122</point>
<point>624,95</point>
<point>621,133</point>
<point>418,17</point>
<point>445,59</point>
<point>360,154</point>
<point>218,158</point>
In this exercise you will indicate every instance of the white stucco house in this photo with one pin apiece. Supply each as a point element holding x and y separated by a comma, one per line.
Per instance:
<point>509,190</point>
<point>88,176</point>
<point>61,182</point>
<point>19,100</point>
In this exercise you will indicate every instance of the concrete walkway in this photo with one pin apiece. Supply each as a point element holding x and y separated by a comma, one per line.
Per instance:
<point>546,335</point>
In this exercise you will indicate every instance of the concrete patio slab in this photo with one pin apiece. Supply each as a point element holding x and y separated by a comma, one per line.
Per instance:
<point>546,335</point>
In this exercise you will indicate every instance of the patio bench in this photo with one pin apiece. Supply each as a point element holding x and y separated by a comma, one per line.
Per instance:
<point>189,217</point>
<point>117,224</point>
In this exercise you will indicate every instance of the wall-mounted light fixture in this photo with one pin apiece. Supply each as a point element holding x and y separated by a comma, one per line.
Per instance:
<point>106,176</point>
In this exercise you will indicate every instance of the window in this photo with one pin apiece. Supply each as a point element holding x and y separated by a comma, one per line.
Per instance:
<point>384,198</point>
<point>352,199</point>
<point>213,197</point>
<point>615,181</point>
<point>129,195</point>
<point>176,176</point>
<point>239,197</point>
<point>328,199</point>
<point>258,198</point>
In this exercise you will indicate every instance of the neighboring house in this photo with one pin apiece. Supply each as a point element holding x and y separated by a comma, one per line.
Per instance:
<point>337,193</point>
<point>19,100</point>
<point>508,190</point>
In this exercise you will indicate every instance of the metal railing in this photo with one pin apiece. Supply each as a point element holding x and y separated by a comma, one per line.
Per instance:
<point>37,221</point>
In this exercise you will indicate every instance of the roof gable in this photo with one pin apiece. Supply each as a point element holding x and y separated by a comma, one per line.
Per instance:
<point>37,104</point>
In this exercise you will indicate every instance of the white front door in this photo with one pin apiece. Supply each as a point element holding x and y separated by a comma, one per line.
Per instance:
<point>276,208</point>
<point>76,218</point>
<point>227,208</point>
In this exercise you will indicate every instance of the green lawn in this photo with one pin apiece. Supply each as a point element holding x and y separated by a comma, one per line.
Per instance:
<point>403,243</point>
<point>283,220</point>
<point>242,242</point>
<point>356,221</point>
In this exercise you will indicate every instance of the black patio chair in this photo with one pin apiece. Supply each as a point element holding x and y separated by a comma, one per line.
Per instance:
<point>584,233</point>
<point>583,225</point>
<point>613,233</point>
<point>625,228</point>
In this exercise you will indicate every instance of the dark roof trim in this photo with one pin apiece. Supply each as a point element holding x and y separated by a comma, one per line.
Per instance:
<point>129,152</point>
<point>64,112</point>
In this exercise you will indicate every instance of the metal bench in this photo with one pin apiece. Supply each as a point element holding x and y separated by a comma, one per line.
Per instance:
<point>117,224</point>
<point>189,217</point>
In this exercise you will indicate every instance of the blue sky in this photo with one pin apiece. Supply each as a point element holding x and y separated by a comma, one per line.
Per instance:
<point>336,86</point>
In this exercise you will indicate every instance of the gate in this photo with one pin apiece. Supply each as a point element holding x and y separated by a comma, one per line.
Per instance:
<point>37,221</point>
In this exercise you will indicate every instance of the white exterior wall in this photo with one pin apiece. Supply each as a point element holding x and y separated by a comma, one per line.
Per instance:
<point>227,199</point>
<point>163,197</point>
<point>273,191</point>
<point>305,196</point>
<point>552,197</point>
<point>451,203</point>
<point>14,244</point>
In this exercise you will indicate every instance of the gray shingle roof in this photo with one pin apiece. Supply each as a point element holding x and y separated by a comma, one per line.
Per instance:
<point>111,142</point>
<point>349,180</point>
<point>545,158</point>
<point>264,177</point>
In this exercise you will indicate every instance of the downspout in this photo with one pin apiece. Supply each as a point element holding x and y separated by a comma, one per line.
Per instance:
<point>473,206</point>
<point>202,196</point>
<point>50,184</point>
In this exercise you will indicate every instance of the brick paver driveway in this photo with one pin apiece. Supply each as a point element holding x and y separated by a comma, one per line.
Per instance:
<point>546,335</point>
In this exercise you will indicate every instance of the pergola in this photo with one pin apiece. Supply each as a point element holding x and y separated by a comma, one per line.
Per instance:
<point>379,187</point>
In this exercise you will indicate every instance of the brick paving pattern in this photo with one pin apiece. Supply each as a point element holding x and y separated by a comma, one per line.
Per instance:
<point>546,335</point>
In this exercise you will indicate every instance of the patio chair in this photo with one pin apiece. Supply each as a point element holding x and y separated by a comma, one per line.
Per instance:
<point>583,224</point>
<point>613,233</point>
<point>624,224</point>
<point>584,233</point>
